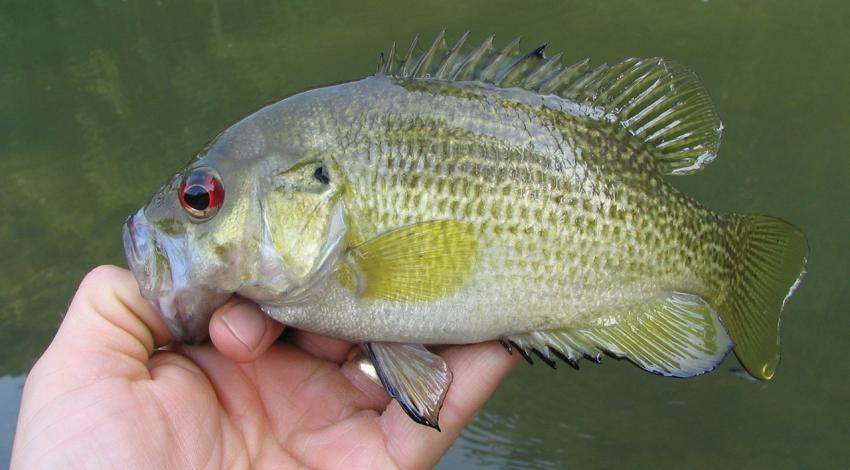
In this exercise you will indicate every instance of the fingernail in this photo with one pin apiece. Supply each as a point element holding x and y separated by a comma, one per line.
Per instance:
<point>246,324</point>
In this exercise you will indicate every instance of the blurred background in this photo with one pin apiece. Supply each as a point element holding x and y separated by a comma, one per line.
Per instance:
<point>102,101</point>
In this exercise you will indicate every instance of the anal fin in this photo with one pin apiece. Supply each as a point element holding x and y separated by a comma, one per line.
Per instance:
<point>415,377</point>
<point>680,335</point>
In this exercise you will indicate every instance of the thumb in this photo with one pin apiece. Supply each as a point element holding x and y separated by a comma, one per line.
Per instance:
<point>241,331</point>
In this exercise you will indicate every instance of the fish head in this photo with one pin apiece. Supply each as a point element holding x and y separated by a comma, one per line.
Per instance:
<point>257,222</point>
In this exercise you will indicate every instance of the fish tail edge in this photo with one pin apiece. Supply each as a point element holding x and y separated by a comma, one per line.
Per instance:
<point>769,262</point>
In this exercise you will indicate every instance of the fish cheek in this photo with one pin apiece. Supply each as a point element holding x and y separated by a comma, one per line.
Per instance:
<point>298,223</point>
<point>218,252</point>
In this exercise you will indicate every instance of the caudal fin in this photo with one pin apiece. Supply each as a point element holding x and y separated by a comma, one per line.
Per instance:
<point>769,263</point>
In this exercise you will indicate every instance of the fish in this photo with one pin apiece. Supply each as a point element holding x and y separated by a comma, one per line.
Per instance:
<point>466,193</point>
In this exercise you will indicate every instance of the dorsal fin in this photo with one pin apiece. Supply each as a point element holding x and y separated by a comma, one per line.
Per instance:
<point>657,101</point>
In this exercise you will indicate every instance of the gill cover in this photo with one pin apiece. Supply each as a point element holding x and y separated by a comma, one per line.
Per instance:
<point>303,234</point>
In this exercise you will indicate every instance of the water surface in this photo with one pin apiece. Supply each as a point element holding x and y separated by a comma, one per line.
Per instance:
<point>100,102</point>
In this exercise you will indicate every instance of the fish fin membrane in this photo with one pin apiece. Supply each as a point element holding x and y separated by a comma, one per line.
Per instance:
<point>415,263</point>
<point>658,101</point>
<point>415,377</point>
<point>769,261</point>
<point>680,335</point>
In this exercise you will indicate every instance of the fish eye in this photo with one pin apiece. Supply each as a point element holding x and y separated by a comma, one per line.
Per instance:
<point>201,192</point>
<point>321,174</point>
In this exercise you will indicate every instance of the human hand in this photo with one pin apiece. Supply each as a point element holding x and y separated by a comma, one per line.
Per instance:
<point>105,395</point>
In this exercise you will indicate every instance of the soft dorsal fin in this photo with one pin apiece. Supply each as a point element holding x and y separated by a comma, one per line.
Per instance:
<point>657,101</point>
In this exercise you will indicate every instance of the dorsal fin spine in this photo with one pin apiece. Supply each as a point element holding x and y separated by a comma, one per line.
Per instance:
<point>422,64</point>
<point>468,65</point>
<point>515,70</point>
<point>387,66</point>
<point>546,69</point>
<point>405,63</point>
<point>447,64</point>
<point>564,77</point>
<point>659,102</point>
<point>490,71</point>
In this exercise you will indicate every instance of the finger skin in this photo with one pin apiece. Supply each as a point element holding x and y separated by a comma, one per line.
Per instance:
<point>330,349</point>
<point>477,371</point>
<point>109,329</point>
<point>241,331</point>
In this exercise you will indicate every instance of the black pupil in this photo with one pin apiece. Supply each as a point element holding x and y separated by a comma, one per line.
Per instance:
<point>197,197</point>
<point>322,175</point>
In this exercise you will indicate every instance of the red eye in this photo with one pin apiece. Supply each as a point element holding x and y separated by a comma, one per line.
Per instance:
<point>202,193</point>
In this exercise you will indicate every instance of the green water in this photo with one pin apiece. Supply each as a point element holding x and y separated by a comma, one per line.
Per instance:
<point>101,101</point>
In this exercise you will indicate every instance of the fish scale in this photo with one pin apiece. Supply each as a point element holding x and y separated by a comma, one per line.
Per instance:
<point>413,165</point>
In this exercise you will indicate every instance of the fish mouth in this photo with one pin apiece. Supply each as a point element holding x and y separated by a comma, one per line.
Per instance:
<point>148,265</point>
<point>184,306</point>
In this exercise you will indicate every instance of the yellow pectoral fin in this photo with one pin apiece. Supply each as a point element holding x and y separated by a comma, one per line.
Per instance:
<point>416,263</point>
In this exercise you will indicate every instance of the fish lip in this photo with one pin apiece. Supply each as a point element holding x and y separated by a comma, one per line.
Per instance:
<point>131,249</point>
<point>142,254</point>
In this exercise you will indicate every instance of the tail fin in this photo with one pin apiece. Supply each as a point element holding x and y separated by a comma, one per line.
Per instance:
<point>769,263</point>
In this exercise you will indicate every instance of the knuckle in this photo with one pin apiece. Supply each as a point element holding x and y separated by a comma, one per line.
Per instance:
<point>101,285</point>
<point>99,280</point>
<point>102,273</point>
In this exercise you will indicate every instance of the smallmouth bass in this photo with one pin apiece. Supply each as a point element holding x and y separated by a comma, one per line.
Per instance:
<point>464,194</point>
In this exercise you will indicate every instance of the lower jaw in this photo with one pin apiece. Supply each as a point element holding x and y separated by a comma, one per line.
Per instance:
<point>187,312</point>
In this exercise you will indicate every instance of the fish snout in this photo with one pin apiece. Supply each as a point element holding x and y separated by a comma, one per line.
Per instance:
<point>147,264</point>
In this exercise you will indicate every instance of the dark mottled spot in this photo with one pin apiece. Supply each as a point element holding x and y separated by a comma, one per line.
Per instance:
<point>321,174</point>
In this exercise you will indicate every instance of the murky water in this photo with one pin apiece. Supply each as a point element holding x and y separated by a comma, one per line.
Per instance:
<point>101,101</point>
